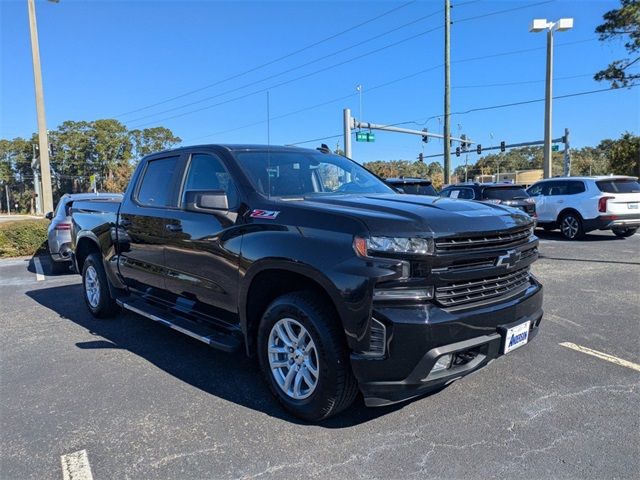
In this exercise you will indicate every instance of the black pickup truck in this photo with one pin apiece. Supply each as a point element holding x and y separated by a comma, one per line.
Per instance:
<point>334,281</point>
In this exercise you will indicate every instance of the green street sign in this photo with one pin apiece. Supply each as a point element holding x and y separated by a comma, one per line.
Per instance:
<point>555,148</point>
<point>365,137</point>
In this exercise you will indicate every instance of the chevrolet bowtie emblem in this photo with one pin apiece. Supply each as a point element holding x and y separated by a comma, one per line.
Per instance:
<point>509,259</point>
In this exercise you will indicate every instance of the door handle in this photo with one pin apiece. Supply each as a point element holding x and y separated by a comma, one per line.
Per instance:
<point>560,201</point>
<point>172,227</point>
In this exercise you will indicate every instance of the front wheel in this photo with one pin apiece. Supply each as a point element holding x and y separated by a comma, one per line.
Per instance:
<point>571,226</point>
<point>304,358</point>
<point>96,288</point>
<point>624,232</point>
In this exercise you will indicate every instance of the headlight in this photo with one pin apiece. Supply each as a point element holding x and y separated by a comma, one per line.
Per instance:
<point>411,245</point>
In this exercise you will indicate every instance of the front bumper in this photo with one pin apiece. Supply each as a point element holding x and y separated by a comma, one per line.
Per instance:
<point>417,335</point>
<point>607,222</point>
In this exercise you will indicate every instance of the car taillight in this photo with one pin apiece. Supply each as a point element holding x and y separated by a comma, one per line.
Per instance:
<point>602,203</point>
<point>63,226</point>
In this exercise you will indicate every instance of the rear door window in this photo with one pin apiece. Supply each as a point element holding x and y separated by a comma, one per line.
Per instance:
<point>558,188</point>
<point>619,185</point>
<point>576,186</point>
<point>157,186</point>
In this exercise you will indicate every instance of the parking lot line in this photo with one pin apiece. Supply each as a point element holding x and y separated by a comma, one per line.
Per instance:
<point>602,356</point>
<point>75,466</point>
<point>39,272</point>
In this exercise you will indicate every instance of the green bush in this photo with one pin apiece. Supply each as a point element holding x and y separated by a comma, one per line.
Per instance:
<point>25,237</point>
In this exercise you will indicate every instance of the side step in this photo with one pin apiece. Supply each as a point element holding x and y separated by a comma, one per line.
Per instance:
<point>213,337</point>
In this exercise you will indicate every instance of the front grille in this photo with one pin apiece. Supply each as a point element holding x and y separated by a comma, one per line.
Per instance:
<point>506,239</point>
<point>491,288</point>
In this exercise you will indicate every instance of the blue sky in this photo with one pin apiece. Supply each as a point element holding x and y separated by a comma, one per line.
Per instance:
<point>103,59</point>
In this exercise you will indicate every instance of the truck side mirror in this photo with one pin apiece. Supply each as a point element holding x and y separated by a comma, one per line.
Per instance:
<point>206,200</point>
<point>49,216</point>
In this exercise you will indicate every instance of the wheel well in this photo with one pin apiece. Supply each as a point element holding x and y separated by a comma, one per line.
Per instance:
<point>85,247</point>
<point>569,210</point>
<point>268,285</point>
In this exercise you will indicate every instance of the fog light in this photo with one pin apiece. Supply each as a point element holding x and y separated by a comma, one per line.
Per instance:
<point>443,363</point>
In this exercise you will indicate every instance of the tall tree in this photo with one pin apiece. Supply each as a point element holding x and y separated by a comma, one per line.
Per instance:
<point>621,23</point>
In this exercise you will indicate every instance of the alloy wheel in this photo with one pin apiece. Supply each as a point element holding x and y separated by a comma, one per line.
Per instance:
<point>570,226</point>
<point>293,359</point>
<point>92,286</point>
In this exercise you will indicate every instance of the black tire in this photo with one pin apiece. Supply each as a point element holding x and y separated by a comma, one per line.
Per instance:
<point>624,232</point>
<point>93,273</point>
<point>336,387</point>
<point>570,224</point>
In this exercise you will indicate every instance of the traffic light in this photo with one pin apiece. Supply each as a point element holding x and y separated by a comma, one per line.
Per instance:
<point>464,146</point>
<point>425,138</point>
<point>503,146</point>
<point>479,149</point>
<point>421,157</point>
<point>457,151</point>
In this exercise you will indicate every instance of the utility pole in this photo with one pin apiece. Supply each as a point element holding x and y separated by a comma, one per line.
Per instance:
<point>47,194</point>
<point>346,118</point>
<point>567,154</point>
<point>6,190</point>
<point>447,92</point>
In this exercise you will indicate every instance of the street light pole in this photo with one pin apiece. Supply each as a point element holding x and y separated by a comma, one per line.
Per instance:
<point>539,25</point>
<point>47,194</point>
<point>546,166</point>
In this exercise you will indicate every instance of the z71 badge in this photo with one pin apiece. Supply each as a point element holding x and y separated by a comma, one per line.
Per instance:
<point>268,214</point>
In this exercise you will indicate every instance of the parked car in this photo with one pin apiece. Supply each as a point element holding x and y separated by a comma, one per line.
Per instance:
<point>415,186</point>
<point>315,266</point>
<point>577,205</point>
<point>59,231</point>
<point>507,194</point>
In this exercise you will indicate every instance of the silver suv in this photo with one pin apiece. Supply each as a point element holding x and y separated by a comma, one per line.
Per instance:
<point>59,232</point>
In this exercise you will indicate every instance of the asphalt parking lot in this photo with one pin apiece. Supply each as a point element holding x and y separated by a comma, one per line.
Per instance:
<point>146,402</point>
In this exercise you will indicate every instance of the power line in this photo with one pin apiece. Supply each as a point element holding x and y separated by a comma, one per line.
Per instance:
<point>492,107</point>
<point>314,140</point>
<point>524,82</point>
<point>289,70</point>
<point>484,15</point>
<point>376,87</point>
<point>357,57</point>
<point>271,62</point>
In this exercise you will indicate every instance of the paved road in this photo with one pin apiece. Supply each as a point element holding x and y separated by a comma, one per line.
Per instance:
<point>146,402</point>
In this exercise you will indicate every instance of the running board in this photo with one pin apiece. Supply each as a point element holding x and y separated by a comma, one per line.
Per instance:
<point>227,342</point>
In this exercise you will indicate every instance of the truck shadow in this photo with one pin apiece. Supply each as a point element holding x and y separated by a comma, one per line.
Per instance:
<point>232,377</point>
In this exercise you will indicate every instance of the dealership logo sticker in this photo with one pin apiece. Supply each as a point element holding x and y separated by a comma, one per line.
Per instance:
<point>267,214</point>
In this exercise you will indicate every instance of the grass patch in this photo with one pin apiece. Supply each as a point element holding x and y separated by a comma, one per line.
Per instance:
<point>23,237</point>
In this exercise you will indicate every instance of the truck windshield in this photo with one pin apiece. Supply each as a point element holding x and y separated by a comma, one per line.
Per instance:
<point>299,174</point>
<point>504,193</point>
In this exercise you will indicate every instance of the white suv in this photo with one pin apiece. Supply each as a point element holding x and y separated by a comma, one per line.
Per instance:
<point>577,205</point>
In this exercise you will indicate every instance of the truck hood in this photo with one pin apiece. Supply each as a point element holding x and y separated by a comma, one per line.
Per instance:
<point>405,215</point>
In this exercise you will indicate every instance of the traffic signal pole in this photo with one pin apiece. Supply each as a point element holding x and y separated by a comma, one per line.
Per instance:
<point>47,194</point>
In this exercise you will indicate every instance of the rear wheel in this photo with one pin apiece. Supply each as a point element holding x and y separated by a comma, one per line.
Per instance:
<point>96,288</point>
<point>304,358</point>
<point>571,226</point>
<point>624,232</point>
